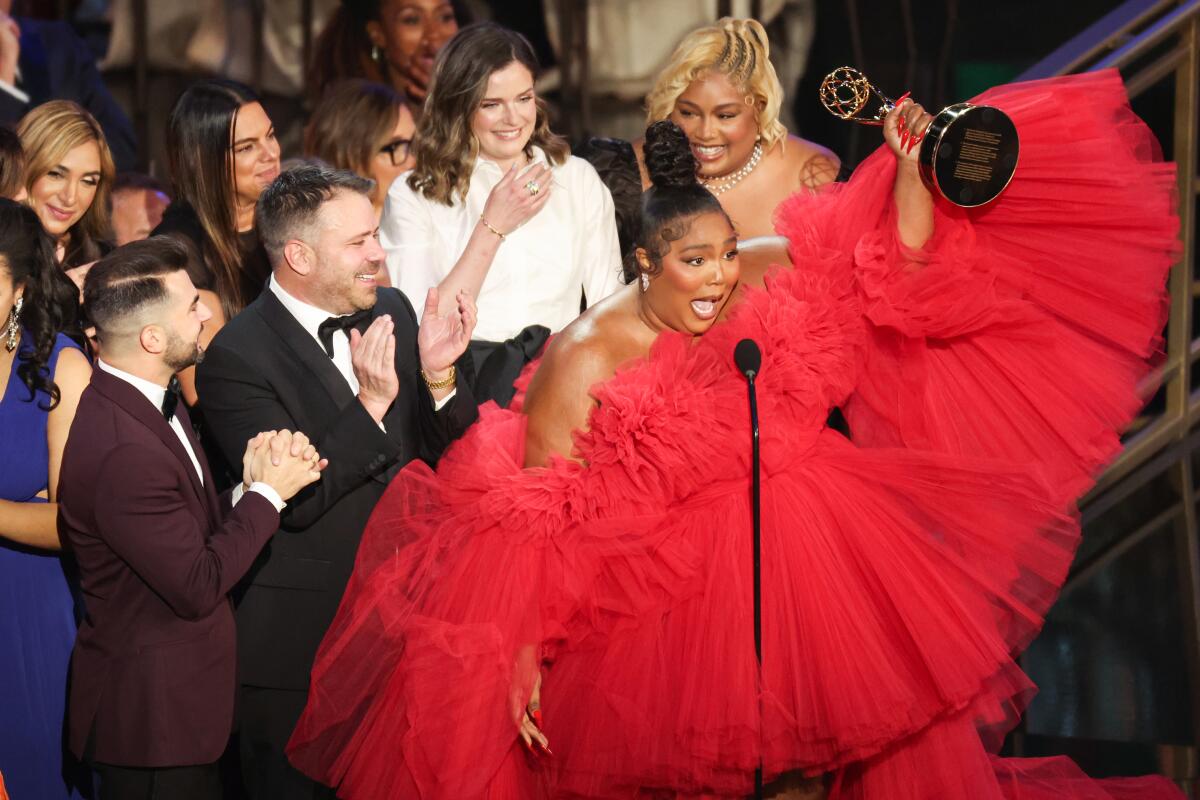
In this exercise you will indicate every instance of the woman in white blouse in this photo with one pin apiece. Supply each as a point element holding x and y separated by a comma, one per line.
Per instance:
<point>496,206</point>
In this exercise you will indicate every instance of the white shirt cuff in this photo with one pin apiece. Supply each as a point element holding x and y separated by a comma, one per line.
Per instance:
<point>266,490</point>
<point>438,404</point>
<point>14,91</point>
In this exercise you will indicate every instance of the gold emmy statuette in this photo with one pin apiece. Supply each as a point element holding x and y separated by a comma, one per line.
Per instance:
<point>969,153</point>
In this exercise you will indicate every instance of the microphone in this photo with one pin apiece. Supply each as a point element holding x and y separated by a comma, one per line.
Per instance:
<point>748,359</point>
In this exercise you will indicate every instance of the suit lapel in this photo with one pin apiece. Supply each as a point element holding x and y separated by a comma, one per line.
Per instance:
<point>304,347</point>
<point>137,406</point>
<point>35,70</point>
<point>210,489</point>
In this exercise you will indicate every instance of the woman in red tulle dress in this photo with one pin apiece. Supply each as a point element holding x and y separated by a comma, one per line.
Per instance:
<point>589,551</point>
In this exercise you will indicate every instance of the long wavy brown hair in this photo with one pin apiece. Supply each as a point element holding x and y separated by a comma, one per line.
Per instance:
<point>444,146</point>
<point>48,133</point>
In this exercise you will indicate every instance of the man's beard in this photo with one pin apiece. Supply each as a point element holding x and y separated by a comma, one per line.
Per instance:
<point>181,354</point>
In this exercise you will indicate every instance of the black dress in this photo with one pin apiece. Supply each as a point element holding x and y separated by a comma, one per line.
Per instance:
<point>181,222</point>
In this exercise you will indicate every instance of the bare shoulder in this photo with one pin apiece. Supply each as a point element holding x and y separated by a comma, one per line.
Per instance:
<point>72,373</point>
<point>586,352</point>
<point>639,148</point>
<point>811,163</point>
<point>757,256</point>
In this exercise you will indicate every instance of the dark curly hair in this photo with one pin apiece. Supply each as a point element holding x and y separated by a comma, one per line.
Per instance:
<point>675,196</point>
<point>617,167</point>
<point>50,300</point>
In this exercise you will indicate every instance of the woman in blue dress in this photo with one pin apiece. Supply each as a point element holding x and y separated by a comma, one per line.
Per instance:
<point>44,374</point>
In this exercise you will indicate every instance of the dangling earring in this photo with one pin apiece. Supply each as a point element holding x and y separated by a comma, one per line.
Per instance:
<point>376,54</point>
<point>14,325</point>
<point>645,285</point>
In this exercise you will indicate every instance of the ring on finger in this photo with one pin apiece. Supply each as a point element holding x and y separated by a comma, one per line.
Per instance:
<point>533,188</point>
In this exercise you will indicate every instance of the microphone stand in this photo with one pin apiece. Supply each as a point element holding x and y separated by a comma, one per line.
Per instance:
<point>757,550</point>
<point>748,358</point>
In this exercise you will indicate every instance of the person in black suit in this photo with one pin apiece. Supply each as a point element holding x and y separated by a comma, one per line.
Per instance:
<point>153,682</point>
<point>42,60</point>
<point>323,350</point>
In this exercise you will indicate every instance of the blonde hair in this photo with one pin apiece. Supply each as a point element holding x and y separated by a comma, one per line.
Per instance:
<point>48,133</point>
<point>736,48</point>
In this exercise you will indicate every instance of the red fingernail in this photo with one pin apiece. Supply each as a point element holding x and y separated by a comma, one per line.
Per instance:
<point>903,137</point>
<point>901,99</point>
<point>537,718</point>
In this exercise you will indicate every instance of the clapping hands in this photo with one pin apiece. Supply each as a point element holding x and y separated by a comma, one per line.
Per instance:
<point>285,461</point>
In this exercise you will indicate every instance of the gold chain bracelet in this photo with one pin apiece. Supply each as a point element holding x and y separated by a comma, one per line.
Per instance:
<point>488,225</point>
<point>442,384</point>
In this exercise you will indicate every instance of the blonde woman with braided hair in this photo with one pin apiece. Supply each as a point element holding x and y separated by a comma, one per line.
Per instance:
<point>721,89</point>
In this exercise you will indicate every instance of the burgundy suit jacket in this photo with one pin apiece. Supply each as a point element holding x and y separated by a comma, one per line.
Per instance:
<point>153,669</point>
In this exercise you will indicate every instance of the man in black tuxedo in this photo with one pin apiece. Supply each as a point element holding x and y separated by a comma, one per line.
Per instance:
<point>325,351</point>
<point>42,60</point>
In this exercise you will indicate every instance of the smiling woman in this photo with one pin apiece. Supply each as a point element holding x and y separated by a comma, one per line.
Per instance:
<point>222,153</point>
<point>496,206</point>
<point>721,89</point>
<point>68,177</point>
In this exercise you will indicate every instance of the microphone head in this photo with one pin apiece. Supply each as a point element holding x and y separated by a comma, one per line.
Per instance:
<point>748,357</point>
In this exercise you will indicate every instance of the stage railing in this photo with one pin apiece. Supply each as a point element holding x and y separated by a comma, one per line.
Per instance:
<point>1153,43</point>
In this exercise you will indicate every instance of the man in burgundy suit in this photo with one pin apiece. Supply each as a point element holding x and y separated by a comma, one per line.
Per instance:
<point>151,694</point>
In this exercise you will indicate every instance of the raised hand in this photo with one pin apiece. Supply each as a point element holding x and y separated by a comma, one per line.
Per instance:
<point>442,338</point>
<point>373,358</point>
<point>518,197</point>
<point>904,128</point>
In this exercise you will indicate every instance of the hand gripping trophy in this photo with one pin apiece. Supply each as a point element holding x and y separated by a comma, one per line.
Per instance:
<point>969,153</point>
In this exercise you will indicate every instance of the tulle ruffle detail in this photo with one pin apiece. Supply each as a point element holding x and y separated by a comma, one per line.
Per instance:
<point>1025,329</point>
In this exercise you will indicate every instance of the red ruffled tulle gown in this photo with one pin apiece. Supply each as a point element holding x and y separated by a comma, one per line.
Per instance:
<point>985,378</point>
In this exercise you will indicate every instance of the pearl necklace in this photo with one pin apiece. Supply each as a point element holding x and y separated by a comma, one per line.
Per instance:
<point>720,185</point>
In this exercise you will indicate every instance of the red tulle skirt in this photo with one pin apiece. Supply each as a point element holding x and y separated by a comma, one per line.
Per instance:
<point>902,574</point>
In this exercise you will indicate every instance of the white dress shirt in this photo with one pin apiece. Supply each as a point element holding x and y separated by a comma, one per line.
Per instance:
<point>13,90</point>
<point>539,269</point>
<point>310,318</point>
<point>155,394</point>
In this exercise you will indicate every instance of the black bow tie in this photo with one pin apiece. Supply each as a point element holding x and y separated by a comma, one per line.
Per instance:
<point>327,328</point>
<point>171,398</point>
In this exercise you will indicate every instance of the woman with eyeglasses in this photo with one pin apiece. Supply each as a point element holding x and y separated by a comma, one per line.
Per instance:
<point>222,153</point>
<point>366,128</point>
<point>496,206</point>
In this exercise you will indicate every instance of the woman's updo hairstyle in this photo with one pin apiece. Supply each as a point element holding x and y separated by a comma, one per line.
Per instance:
<point>675,196</point>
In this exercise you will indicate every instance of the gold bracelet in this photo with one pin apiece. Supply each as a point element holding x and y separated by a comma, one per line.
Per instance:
<point>442,384</point>
<point>488,225</point>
